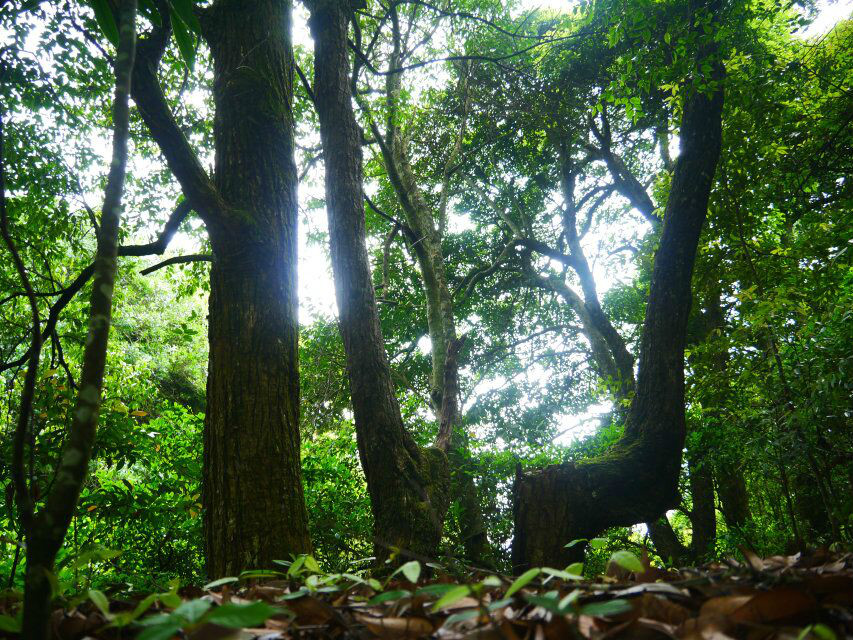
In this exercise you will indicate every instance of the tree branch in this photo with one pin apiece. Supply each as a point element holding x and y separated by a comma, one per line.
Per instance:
<point>194,257</point>
<point>182,160</point>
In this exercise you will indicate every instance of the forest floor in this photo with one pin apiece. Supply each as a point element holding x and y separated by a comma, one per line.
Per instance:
<point>783,597</point>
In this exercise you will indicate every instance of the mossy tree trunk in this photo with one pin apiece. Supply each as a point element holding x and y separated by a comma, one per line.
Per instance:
<point>45,529</point>
<point>408,485</point>
<point>637,479</point>
<point>254,510</point>
<point>426,225</point>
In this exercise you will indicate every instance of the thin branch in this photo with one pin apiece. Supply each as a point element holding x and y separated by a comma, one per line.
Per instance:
<point>162,242</point>
<point>193,257</point>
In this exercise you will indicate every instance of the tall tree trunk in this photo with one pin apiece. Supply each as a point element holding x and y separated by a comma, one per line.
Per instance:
<point>637,479</point>
<point>408,486</point>
<point>46,529</point>
<point>252,493</point>
<point>428,226</point>
<point>253,499</point>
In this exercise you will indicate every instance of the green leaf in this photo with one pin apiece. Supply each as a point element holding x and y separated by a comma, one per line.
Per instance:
<point>389,596</point>
<point>165,631</point>
<point>236,616</point>
<point>819,630</point>
<point>491,581</point>
<point>219,583</point>
<point>522,581</point>
<point>598,543</point>
<point>570,599</point>
<point>105,19</point>
<point>576,568</point>
<point>549,603</point>
<point>101,601</point>
<point>184,9</point>
<point>296,567</point>
<point>462,616</point>
<point>311,564</point>
<point>575,542</point>
<point>185,42</point>
<point>608,608</point>
<point>412,570</point>
<point>453,595</point>
<point>563,575</point>
<point>434,590</point>
<point>192,610</point>
<point>627,560</point>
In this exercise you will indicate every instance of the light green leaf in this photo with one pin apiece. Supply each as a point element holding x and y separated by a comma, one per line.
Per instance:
<point>453,595</point>
<point>627,560</point>
<point>412,570</point>
<point>101,601</point>
<point>236,616</point>
<point>311,564</point>
<point>575,542</point>
<point>522,581</point>
<point>598,543</point>
<point>575,568</point>
<point>220,582</point>
<point>563,575</point>
<point>192,610</point>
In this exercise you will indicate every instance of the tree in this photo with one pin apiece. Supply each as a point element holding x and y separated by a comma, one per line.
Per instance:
<point>254,506</point>
<point>408,485</point>
<point>636,479</point>
<point>45,529</point>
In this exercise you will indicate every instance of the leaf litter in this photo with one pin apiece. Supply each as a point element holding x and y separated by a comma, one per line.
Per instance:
<point>778,598</point>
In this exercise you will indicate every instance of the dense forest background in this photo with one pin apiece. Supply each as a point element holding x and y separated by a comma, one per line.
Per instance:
<point>519,165</point>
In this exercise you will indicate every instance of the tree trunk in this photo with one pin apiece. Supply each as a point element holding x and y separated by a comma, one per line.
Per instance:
<point>637,479</point>
<point>731,487</point>
<point>666,542</point>
<point>428,252</point>
<point>703,515</point>
<point>254,507</point>
<point>46,529</point>
<point>408,486</point>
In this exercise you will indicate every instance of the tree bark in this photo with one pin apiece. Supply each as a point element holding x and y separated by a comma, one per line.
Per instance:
<point>703,515</point>
<point>637,479</point>
<point>408,485</point>
<point>666,542</point>
<point>252,487</point>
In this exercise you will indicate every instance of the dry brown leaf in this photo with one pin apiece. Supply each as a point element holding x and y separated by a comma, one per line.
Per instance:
<point>724,605</point>
<point>397,627</point>
<point>661,609</point>
<point>777,604</point>
<point>311,610</point>
<point>705,628</point>
<point>756,563</point>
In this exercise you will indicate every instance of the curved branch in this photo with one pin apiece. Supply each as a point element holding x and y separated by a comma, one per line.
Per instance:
<point>194,257</point>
